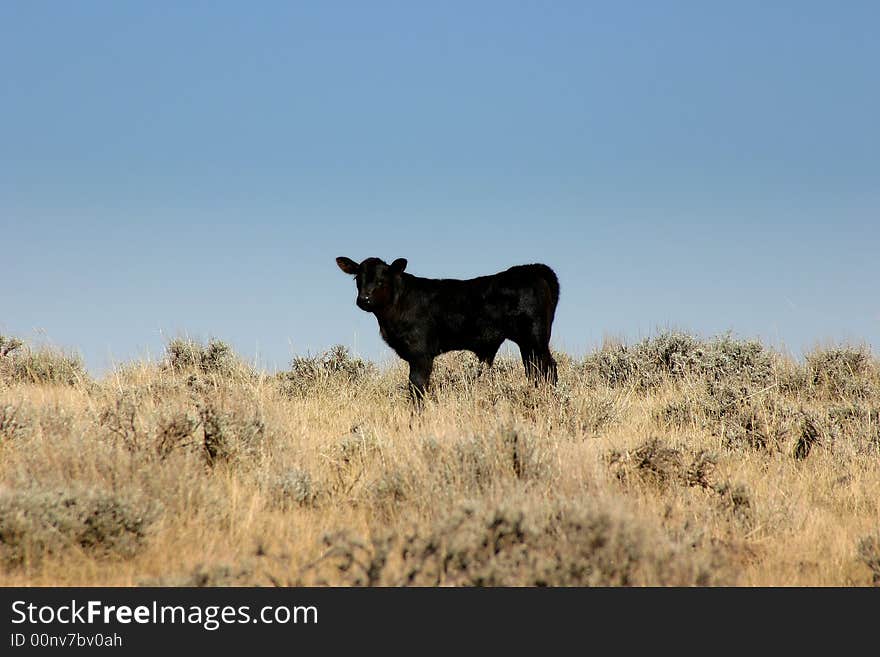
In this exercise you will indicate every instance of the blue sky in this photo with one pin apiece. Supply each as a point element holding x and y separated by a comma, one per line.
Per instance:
<point>194,168</point>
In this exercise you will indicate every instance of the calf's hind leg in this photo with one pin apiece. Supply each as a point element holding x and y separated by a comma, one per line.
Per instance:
<point>547,366</point>
<point>538,363</point>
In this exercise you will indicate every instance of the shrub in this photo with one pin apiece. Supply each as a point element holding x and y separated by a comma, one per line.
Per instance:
<point>675,356</point>
<point>175,431</point>
<point>746,419</point>
<point>841,372</point>
<point>600,412</point>
<point>335,364</point>
<point>8,345</point>
<point>15,422</point>
<point>229,434</point>
<point>655,462</point>
<point>204,575</point>
<point>293,487</point>
<point>36,522</point>
<point>37,366</point>
<point>159,435</point>
<point>120,418</point>
<point>356,446</point>
<point>554,544</point>
<point>455,371</point>
<point>679,414</point>
<point>467,466</point>
<point>390,489</point>
<point>474,464</point>
<point>869,554</point>
<point>525,457</point>
<point>184,355</point>
<point>809,436</point>
<point>615,366</point>
<point>727,358</point>
<point>735,499</point>
<point>856,424</point>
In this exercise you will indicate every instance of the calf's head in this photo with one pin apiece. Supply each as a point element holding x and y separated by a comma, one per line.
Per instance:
<point>377,281</point>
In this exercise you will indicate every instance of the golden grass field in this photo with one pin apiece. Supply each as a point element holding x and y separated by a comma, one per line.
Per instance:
<point>672,462</point>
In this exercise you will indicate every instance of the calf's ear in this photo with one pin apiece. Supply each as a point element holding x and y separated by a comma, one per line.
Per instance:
<point>398,265</point>
<point>347,265</point>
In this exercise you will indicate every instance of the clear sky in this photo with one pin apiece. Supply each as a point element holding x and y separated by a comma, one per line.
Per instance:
<point>173,168</point>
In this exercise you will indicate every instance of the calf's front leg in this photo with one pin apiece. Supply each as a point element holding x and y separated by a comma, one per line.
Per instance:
<point>419,376</point>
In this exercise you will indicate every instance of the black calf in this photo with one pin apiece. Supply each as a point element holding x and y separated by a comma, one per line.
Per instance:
<point>421,318</point>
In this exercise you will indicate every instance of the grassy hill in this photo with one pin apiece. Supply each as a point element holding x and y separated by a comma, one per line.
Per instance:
<point>674,461</point>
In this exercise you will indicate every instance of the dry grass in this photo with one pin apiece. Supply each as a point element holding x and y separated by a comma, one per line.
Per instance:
<point>676,461</point>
